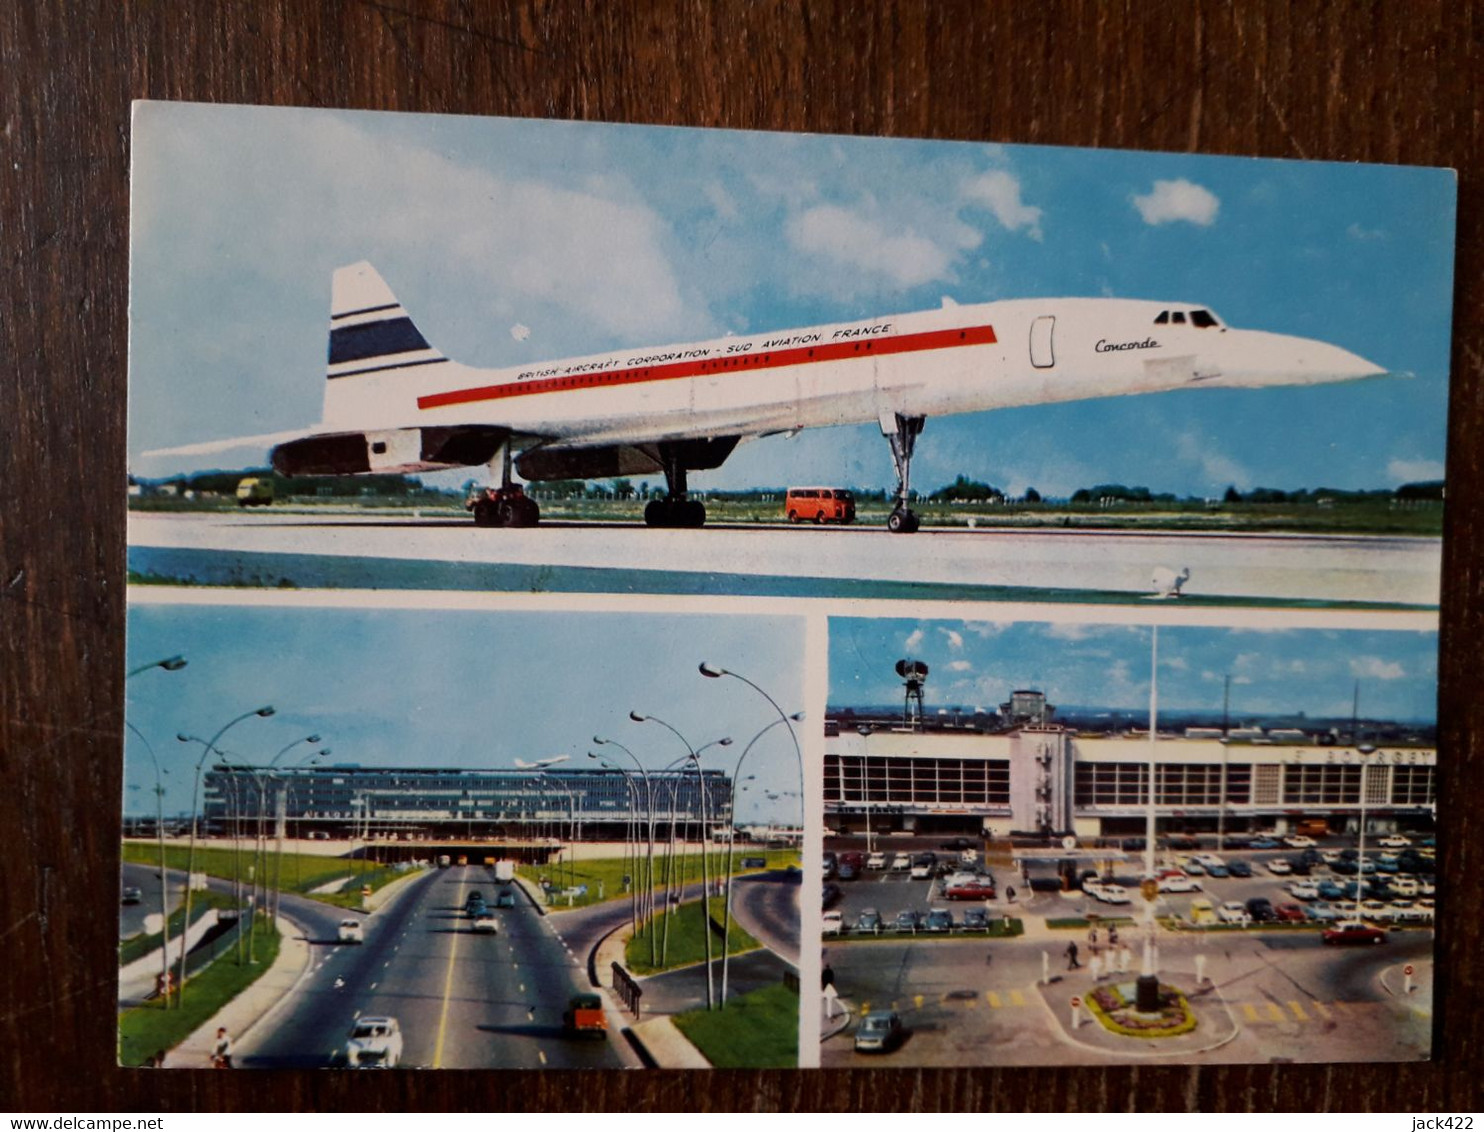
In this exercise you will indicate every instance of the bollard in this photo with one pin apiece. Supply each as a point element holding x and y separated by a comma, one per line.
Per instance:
<point>1200,968</point>
<point>1045,968</point>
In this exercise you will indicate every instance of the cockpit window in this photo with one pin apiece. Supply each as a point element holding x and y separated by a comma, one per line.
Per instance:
<point>1164,317</point>
<point>1203,319</point>
<point>1179,316</point>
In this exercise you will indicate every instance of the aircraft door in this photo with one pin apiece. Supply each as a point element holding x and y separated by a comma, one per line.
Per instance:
<point>1042,356</point>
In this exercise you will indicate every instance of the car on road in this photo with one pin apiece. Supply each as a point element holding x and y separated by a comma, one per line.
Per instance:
<point>939,920</point>
<point>505,899</point>
<point>1299,841</point>
<point>1280,867</point>
<point>1352,931</point>
<point>1395,841</point>
<point>907,921</point>
<point>132,895</point>
<point>584,1017</point>
<point>1114,894</point>
<point>1290,914</point>
<point>876,860</point>
<point>474,897</point>
<point>868,921</point>
<point>486,924</point>
<point>375,1042</point>
<point>476,908</point>
<point>975,920</point>
<point>1239,868</point>
<point>1179,883</point>
<point>878,1032</point>
<point>1233,912</point>
<point>350,931</point>
<point>832,923</point>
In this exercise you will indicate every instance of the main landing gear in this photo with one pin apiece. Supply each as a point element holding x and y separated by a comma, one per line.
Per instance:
<point>901,433</point>
<point>676,509</point>
<point>507,505</point>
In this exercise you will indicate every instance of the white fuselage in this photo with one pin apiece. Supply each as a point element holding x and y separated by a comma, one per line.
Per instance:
<point>957,359</point>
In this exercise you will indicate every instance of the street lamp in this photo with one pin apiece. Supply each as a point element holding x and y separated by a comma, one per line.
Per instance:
<point>164,876</point>
<point>726,921</point>
<point>169,664</point>
<point>864,731</point>
<point>1147,984</point>
<point>263,712</point>
<point>1365,750</point>
<point>262,844</point>
<point>695,757</point>
<point>631,846</point>
<point>648,903</point>
<point>716,671</point>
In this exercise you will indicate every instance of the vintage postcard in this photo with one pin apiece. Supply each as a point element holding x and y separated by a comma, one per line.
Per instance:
<point>615,596</point>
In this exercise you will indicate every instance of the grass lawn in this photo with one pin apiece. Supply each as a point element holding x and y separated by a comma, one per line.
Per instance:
<point>758,1030</point>
<point>605,874</point>
<point>687,943</point>
<point>141,944</point>
<point>147,1029</point>
<point>300,872</point>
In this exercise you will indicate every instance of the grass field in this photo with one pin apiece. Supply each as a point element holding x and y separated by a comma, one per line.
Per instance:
<point>146,1030</point>
<point>759,1030</point>
<point>299,872</point>
<point>686,943</point>
<point>604,876</point>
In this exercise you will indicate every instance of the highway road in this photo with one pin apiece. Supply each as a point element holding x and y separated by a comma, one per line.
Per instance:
<point>387,550</point>
<point>146,879</point>
<point>464,1000</point>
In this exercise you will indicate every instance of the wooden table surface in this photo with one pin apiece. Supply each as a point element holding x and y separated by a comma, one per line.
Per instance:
<point>1345,81</point>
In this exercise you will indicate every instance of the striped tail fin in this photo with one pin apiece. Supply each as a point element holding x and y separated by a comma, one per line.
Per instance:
<point>371,338</point>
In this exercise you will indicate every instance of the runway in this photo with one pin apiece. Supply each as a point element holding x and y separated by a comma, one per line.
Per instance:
<point>396,550</point>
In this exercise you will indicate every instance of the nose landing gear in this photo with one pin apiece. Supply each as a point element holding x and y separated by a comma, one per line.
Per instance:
<point>901,433</point>
<point>507,505</point>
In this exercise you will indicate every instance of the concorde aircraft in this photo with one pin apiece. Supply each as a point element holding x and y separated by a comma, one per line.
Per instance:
<point>394,403</point>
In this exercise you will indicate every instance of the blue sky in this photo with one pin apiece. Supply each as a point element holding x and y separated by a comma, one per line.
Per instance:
<point>399,687</point>
<point>1273,671</point>
<point>592,237</point>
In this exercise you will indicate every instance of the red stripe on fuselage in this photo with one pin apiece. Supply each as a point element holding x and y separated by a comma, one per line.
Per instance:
<point>700,367</point>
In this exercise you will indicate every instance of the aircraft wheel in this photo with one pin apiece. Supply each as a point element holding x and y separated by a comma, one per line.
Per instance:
<point>896,522</point>
<point>505,513</point>
<point>484,514</point>
<point>524,513</point>
<point>657,513</point>
<point>692,514</point>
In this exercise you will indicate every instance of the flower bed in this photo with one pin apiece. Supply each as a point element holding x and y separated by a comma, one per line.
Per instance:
<point>1113,1007</point>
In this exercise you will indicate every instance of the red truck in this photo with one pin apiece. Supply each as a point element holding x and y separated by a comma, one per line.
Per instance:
<point>584,1017</point>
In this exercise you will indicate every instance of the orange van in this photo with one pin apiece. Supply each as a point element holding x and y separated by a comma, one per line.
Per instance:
<point>819,505</point>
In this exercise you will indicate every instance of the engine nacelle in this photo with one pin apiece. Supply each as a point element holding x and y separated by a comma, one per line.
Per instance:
<point>388,451</point>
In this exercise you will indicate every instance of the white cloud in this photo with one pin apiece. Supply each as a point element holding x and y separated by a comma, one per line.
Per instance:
<point>1374,668</point>
<point>850,239</point>
<point>1356,232</point>
<point>960,666</point>
<point>1169,201</point>
<point>955,639</point>
<point>913,641</point>
<point>1217,467</point>
<point>999,192</point>
<point>721,200</point>
<point>1414,471</point>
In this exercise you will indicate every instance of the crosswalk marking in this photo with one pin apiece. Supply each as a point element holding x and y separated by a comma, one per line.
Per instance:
<point>1298,1011</point>
<point>1249,1010</point>
<point>1321,1010</point>
<point>1274,1013</point>
<point>1016,998</point>
<point>994,999</point>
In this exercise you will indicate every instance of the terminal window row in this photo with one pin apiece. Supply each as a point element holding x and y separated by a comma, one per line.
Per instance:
<point>899,781</point>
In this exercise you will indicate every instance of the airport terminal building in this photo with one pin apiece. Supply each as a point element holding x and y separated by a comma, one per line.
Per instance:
<point>1025,774</point>
<point>416,803</point>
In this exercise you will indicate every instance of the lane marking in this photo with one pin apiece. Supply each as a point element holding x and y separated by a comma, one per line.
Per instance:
<point>1274,1013</point>
<point>1249,1010</point>
<point>1322,1010</point>
<point>1298,1011</point>
<point>453,950</point>
<point>542,1056</point>
<point>994,999</point>
<point>1016,998</point>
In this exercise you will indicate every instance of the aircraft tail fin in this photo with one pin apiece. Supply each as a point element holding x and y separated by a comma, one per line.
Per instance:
<point>372,343</point>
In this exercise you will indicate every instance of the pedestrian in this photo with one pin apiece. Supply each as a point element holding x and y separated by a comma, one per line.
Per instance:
<point>826,977</point>
<point>1112,936</point>
<point>1072,963</point>
<point>221,1053</point>
<point>1092,939</point>
<point>1010,894</point>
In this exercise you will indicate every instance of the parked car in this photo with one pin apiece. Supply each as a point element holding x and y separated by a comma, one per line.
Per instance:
<point>1406,886</point>
<point>1279,867</point>
<point>1352,931</point>
<point>1289,914</point>
<point>829,894</point>
<point>1114,894</point>
<point>939,920</point>
<point>876,860</point>
<point>975,920</point>
<point>1179,882</point>
<point>1260,908</point>
<point>973,888</point>
<point>1329,890</point>
<point>1217,871</point>
<point>901,862</point>
<point>374,1042</point>
<point>1323,911</point>
<point>959,843</point>
<point>922,866</point>
<point>869,921</point>
<point>878,1032</point>
<point>1239,868</point>
<point>1395,841</point>
<point>907,921</point>
<point>1232,912</point>
<point>1304,890</point>
<point>832,922</point>
<point>1299,841</point>
<point>847,871</point>
<point>1201,912</point>
<point>1265,843</point>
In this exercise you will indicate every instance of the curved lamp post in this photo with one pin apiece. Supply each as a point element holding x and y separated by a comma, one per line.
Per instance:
<point>695,757</point>
<point>648,902</point>
<point>263,712</point>
<point>716,671</point>
<point>169,664</point>
<point>726,916</point>
<point>164,876</point>
<point>631,847</point>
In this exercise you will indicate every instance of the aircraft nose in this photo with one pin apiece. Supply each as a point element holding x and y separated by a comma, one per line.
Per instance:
<point>1336,364</point>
